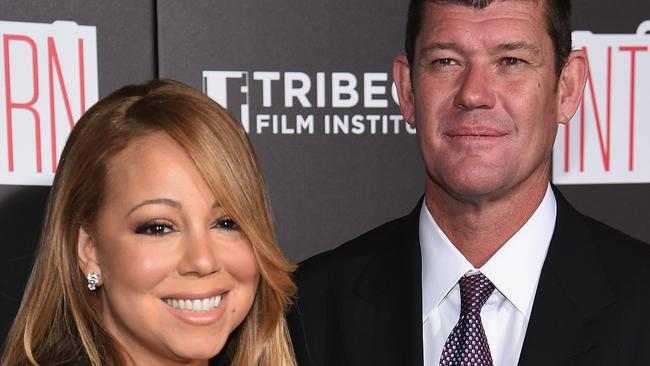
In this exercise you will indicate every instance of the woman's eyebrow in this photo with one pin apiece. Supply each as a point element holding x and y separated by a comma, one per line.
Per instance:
<point>156,201</point>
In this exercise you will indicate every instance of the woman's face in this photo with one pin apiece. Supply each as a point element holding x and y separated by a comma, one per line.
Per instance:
<point>178,275</point>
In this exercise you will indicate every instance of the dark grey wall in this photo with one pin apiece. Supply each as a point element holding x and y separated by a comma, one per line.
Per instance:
<point>324,189</point>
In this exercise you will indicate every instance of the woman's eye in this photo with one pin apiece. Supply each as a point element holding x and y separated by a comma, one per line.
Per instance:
<point>156,229</point>
<point>227,224</point>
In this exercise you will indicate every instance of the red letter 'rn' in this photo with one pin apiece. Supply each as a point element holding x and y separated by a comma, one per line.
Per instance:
<point>10,104</point>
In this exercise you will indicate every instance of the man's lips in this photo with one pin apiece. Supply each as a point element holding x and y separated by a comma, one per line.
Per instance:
<point>474,132</point>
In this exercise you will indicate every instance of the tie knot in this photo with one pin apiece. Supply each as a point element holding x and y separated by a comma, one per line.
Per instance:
<point>474,292</point>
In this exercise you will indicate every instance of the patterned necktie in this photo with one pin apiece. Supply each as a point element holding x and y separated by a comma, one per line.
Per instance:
<point>467,344</point>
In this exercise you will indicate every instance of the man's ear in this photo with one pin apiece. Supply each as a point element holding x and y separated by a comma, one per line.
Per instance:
<point>571,85</point>
<point>87,253</point>
<point>402,78</point>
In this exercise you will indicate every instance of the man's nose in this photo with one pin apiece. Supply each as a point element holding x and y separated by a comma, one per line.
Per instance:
<point>200,257</point>
<point>476,89</point>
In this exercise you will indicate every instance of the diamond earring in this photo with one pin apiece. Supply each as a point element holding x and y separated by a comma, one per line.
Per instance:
<point>93,280</point>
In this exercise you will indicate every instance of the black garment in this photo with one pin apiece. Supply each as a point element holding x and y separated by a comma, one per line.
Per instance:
<point>361,303</point>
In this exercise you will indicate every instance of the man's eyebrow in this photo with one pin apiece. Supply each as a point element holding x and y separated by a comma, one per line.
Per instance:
<point>156,201</point>
<point>509,46</point>
<point>521,45</point>
<point>438,46</point>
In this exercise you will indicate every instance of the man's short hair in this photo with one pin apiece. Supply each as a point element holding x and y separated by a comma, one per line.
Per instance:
<point>558,25</point>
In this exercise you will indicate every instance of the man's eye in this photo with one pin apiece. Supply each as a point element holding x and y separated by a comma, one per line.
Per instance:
<point>227,223</point>
<point>444,62</point>
<point>511,61</point>
<point>156,229</point>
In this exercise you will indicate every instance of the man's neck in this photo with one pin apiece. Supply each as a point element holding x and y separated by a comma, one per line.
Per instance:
<point>479,227</point>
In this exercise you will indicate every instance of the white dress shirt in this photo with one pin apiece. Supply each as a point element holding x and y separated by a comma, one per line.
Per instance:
<point>514,270</point>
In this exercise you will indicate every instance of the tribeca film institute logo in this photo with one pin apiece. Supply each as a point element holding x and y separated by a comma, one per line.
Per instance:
<point>337,103</point>
<point>608,140</point>
<point>48,78</point>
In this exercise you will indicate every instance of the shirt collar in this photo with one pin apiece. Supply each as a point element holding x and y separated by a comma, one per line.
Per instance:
<point>514,269</point>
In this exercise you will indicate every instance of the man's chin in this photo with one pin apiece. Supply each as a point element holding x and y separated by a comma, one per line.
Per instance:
<point>475,189</point>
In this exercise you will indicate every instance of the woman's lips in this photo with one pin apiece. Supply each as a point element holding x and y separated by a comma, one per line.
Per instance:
<point>196,310</point>
<point>204,304</point>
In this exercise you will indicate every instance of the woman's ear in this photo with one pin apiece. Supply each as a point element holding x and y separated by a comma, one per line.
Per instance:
<point>87,253</point>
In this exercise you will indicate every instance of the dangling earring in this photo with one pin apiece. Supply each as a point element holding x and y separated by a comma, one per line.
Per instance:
<point>93,280</point>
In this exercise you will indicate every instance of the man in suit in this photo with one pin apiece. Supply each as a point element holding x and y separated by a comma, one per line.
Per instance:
<point>493,266</point>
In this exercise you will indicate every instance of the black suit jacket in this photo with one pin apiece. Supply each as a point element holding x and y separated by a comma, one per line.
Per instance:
<point>361,303</point>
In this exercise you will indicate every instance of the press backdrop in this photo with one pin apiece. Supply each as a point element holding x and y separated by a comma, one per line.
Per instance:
<point>311,82</point>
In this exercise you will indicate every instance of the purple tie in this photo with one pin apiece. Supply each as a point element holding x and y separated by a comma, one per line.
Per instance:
<point>467,344</point>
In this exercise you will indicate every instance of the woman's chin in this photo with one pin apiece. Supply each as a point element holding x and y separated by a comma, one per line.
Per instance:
<point>195,351</point>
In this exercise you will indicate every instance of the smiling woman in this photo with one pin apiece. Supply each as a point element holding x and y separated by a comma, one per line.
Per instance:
<point>158,246</point>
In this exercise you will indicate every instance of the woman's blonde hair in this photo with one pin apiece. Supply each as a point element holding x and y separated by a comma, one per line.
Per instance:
<point>59,319</point>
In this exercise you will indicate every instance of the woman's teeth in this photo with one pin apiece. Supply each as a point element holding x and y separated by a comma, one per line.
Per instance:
<point>206,304</point>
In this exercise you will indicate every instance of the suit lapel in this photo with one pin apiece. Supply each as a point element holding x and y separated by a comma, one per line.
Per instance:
<point>572,291</point>
<point>382,323</point>
<point>389,302</point>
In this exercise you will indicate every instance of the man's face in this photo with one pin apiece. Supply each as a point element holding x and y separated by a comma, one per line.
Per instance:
<point>483,94</point>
